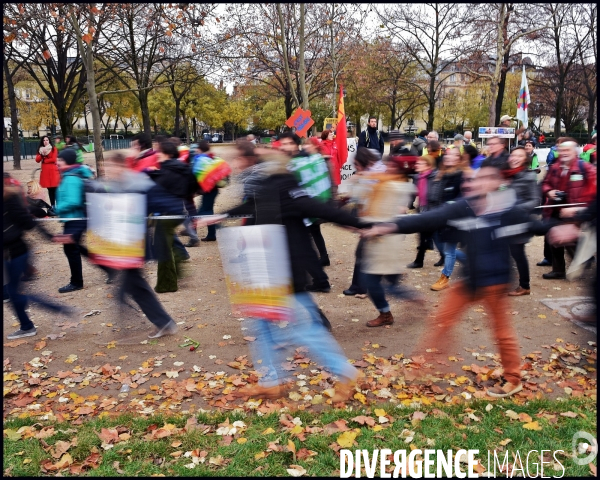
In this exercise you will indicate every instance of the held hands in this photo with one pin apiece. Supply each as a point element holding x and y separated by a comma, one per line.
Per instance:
<point>379,229</point>
<point>563,235</point>
<point>204,222</point>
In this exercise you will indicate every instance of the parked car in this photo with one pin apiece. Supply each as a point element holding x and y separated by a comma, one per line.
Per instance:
<point>217,138</point>
<point>116,137</point>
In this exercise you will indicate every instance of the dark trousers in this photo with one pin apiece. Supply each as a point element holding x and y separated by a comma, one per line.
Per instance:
<point>376,291</point>
<point>207,208</point>
<point>558,258</point>
<point>425,240</point>
<point>74,251</point>
<point>15,268</point>
<point>134,284</point>
<point>357,278</point>
<point>315,269</point>
<point>517,251</point>
<point>52,195</point>
<point>315,231</point>
<point>547,250</point>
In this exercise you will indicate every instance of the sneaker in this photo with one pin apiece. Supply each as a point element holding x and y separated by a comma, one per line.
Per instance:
<point>207,239</point>
<point>69,288</point>
<point>325,288</point>
<point>506,390</point>
<point>112,274</point>
<point>192,243</point>
<point>351,292</point>
<point>169,329</point>
<point>22,333</point>
<point>441,284</point>
<point>544,263</point>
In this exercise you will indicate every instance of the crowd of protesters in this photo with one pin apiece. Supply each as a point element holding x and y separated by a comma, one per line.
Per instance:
<point>477,208</point>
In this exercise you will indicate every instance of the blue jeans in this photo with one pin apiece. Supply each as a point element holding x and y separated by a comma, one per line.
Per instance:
<point>376,291</point>
<point>452,254</point>
<point>273,343</point>
<point>207,208</point>
<point>15,268</point>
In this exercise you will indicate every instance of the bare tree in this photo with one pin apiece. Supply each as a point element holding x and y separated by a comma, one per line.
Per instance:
<point>587,43</point>
<point>495,28</point>
<point>11,70</point>
<point>430,34</point>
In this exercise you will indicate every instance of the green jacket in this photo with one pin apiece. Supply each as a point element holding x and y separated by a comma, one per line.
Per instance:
<point>70,195</point>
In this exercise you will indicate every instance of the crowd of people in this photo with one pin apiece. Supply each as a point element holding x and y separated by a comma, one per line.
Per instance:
<point>477,208</point>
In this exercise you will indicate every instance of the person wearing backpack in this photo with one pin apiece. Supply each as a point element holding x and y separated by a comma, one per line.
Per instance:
<point>569,180</point>
<point>70,204</point>
<point>211,173</point>
<point>371,137</point>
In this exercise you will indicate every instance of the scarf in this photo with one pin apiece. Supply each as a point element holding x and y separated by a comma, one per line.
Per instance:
<point>45,151</point>
<point>422,188</point>
<point>511,172</point>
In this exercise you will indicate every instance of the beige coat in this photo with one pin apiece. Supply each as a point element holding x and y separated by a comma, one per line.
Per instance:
<point>381,197</point>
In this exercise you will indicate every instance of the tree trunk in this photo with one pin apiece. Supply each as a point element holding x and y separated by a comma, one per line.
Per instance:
<point>558,109</point>
<point>195,128</point>
<point>177,113</point>
<point>143,99</point>
<point>501,87</point>
<point>14,117</point>
<point>64,121</point>
<point>431,99</point>
<point>87,127</point>
<point>288,105</point>
<point>302,66</point>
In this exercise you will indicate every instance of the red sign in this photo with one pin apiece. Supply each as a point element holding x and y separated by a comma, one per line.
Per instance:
<point>300,121</point>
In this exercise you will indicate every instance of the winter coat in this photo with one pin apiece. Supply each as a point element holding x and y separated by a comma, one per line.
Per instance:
<point>487,243</point>
<point>173,176</point>
<point>419,144</point>
<point>501,161</point>
<point>15,221</point>
<point>329,147</point>
<point>70,196</point>
<point>381,195</point>
<point>445,189</point>
<point>146,159</point>
<point>279,200</point>
<point>50,176</point>
<point>524,183</point>
<point>579,184</point>
<point>371,138</point>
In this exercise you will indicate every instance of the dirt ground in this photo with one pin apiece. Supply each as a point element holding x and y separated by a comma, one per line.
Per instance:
<point>202,310</point>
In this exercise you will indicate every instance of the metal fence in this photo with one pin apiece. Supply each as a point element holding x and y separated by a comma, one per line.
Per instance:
<point>30,149</point>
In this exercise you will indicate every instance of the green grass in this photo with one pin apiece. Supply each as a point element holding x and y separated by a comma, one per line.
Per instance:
<point>138,456</point>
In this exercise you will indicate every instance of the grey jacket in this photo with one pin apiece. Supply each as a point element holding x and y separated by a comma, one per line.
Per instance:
<point>525,185</point>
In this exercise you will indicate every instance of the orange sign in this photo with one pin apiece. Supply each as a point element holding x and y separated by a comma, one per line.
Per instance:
<point>301,121</point>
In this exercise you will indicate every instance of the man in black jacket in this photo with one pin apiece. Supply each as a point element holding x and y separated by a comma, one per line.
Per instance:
<point>371,137</point>
<point>485,222</point>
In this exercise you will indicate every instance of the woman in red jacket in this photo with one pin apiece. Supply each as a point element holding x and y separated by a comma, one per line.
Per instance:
<point>50,177</point>
<point>329,150</point>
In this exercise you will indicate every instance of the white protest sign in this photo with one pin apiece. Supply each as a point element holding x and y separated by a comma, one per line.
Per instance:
<point>348,167</point>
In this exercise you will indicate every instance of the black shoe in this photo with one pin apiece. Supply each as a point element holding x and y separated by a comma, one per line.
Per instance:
<point>51,213</point>
<point>207,239</point>
<point>69,288</point>
<point>554,275</point>
<point>440,262</point>
<point>325,262</point>
<point>193,243</point>
<point>112,274</point>
<point>351,292</point>
<point>544,263</point>
<point>415,265</point>
<point>325,288</point>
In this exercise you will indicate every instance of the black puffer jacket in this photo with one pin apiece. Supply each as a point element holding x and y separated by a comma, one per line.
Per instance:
<point>16,220</point>
<point>173,176</point>
<point>279,200</point>
<point>445,189</point>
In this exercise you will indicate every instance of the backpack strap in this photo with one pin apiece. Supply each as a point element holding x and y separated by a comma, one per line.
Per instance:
<point>581,164</point>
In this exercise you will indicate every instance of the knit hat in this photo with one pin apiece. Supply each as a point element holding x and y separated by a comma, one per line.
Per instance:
<point>69,156</point>
<point>394,135</point>
<point>459,137</point>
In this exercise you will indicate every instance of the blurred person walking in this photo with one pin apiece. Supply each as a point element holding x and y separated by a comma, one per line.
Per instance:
<point>50,176</point>
<point>16,220</point>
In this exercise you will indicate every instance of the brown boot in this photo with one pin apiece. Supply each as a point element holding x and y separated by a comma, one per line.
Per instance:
<point>519,291</point>
<point>443,282</point>
<point>345,390</point>
<point>256,391</point>
<point>383,319</point>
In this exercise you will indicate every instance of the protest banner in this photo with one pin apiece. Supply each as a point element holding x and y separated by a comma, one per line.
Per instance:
<point>116,229</point>
<point>257,271</point>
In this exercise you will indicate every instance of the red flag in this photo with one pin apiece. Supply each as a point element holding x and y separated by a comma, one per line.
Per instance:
<point>341,137</point>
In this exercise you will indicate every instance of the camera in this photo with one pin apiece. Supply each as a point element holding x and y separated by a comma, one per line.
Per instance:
<point>560,197</point>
